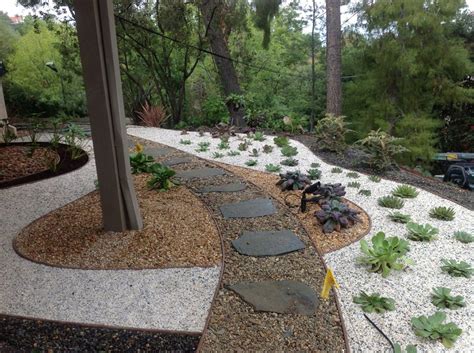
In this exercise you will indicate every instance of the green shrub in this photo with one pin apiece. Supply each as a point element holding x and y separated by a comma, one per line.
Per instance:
<point>281,141</point>
<point>457,269</point>
<point>390,202</point>
<point>290,162</point>
<point>331,133</point>
<point>140,162</point>
<point>399,217</point>
<point>374,302</point>
<point>442,298</point>
<point>464,237</point>
<point>432,327</point>
<point>272,168</point>
<point>420,232</point>
<point>160,177</point>
<point>381,148</point>
<point>405,191</point>
<point>251,162</point>
<point>443,213</point>
<point>289,151</point>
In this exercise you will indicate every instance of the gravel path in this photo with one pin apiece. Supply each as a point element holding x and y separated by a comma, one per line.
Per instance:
<point>411,288</point>
<point>169,299</point>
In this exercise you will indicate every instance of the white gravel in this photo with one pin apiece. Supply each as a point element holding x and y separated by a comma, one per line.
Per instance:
<point>411,288</point>
<point>169,299</point>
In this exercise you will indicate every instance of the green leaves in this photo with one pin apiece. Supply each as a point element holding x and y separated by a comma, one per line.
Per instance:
<point>463,237</point>
<point>331,133</point>
<point>160,176</point>
<point>290,162</point>
<point>390,202</point>
<point>203,146</point>
<point>251,162</point>
<point>289,151</point>
<point>432,327</point>
<point>442,298</point>
<point>405,192</point>
<point>386,254</point>
<point>272,168</point>
<point>399,217</point>
<point>313,173</point>
<point>457,269</point>
<point>140,162</point>
<point>420,232</point>
<point>281,141</point>
<point>374,302</point>
<point>443,213</point>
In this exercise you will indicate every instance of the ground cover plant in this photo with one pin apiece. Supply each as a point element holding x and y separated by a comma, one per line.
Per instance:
<point>313,173</point>
<point>272,168</point>
<point>254,153</point>
<point>464,237</point>
<point>434,328</point>
<point>443,213</point>
<point>385,255</point>
<point>336,170</point>
<point>374,302</point>
<point>315,165</point>
<point>390,202</point>
<point>421,232</point>
<point>160,177</point>
<point>258,136</point>
<point>335,215</point>
<point>290,162</point>
<point>267,149</point>
<point>405,192</point>
<point>233,153</point>
<point>375,178</point>
<point>353,175</point>
<point>203,146</point>
<point>281,141</point>
<point>185,142</point>
<point>441,297</point>
<point>217,155</point>
<point>293,181</point>
<point>139,161</point>
<point>251,163</point>
<point>365,192</point>
<point>289,151</point>
<point>353,184</point>
<point>243,146</point>
<point>399,217</point>
<point>457,269</point>
<point>223,145</point>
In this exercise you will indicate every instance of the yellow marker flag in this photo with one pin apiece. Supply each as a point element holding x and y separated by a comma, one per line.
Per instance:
<point>329,282</point>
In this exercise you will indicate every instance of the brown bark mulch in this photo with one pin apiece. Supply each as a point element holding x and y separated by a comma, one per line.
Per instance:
<point>178,232</point>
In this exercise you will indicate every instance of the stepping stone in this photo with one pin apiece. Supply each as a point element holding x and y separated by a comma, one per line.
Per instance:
<point>232,187</point>
<point>201,173</point>
<point>158,151</point>
<point>248,209</point>
<point>284,297</point>
<point>267,243</point>
<point>178,160</point>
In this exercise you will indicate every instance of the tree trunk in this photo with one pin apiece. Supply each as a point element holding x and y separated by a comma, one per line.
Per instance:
<point>333,57</point>
<point>227,73</point>
<point>313,72</point>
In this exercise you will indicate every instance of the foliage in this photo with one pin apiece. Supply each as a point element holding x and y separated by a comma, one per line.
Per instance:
<point>365,192</point>
<point>422,232</point>
<point>432,327</point>
<point>258,136</point>
<point>335,215</point>
<point>457,269</point>
<point>281,141</point>
<point>443,213</point>
<point>289,151</point>
<point>290,162</point>
<point>251,162</point>
<point>223,145</point>
<point>397,348</point>
<point>381,149</point>
<point>185,142</point>
<point>233,153</point>
<point>267,149</point>
<point>140,162</point>
<point>405,191</point>
<point>203,146</point>
<point>152,115</point>
<point>293,181</point>
<point>399,217</point>
<point>336,170</point>
<point>217,155</point>
<point>386,254</point>
<point>353,175</point>
<point>76,139</point>
<point>464,237</point>
<point>160,177</point>
<point>442,298</point>
<point>390,202</point>
<point>224,131</point>
<point>374,302</point>
<point>243,146</point>
<point>254,153</point>
<point>375,178</point>
<point>331,133</point>
<point>314,173</point>
<point>353,184</point>
<point>272,168</point>
<point>315,165</point>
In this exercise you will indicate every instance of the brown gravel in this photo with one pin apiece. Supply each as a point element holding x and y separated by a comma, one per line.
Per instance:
<point>16,161</point>
<point>325,242</point>
<point>178,231</point>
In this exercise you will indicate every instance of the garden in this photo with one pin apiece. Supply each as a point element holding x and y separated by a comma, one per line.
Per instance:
<point>269,221</point>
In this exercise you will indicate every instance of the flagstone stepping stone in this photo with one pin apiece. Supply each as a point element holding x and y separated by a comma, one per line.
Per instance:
<point>178,160</point>
<point>201,173</point>
<point>248,209</point>
<point>158,151</point>
<point>284,297</point>
<point>232,187</point>
<point>270,243</point>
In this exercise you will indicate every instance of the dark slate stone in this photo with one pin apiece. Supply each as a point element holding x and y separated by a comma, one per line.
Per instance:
<point>232,187</point>
<point>199,173</point>
<point>267,243</point>
<point>175,161</point>
<point>284,297</point>
<point>158,151</point>
<point>248,209</point>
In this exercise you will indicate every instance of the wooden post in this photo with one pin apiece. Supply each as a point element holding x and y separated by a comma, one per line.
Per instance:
<point>99,57</point>
<point>3,107</point>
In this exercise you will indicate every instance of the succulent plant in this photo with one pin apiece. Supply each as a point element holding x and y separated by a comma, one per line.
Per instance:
<point>293,181</point>
<point>233,153</point>
<point>432,327</point>
<point>386,254</point>
<point>267,149</point>
<point>254,153</point>
<point>203,146</point>
<point>464,237</point>
<point>217,155</point>
<point>223,130</point>
<point>315,165</point>
<point>374,302</point>
<point>365,192</point>
<point>443,213</point>
<point>405,192</point>
<point>399,217</point>
<point>160,177</point>
<point>281,141</point>
<point>272,168</point>
<point>243,146</point>
<point>223,145</point>
<point>442,298</point>
<point>140,162</point>
<point>258,136</point>
<point>185,142</point>
<point>290,162</point>
<point>251,162</point>
<point>353,175</point>
<point>390,202</point>
<point>375,178</point>
<point>314,174</point>
<point>457,269</point>
<point>335,215</point>
<point>289,151</point>
<point>420,232</point>
<point>353,184</point>
<point>336,170</point>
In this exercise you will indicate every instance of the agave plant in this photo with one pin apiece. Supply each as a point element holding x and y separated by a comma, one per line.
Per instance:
<point>289,151</point>
<point>386,254</point>
<point>217,155</point>
<point>313,173</point>
<point>365,192</point>
<point>390,202</point>
<point>293,181</point>
<point>290,162</point>
<point>422,232</point>
<point>353,184</point>
<point>281,141</point>
<point>457,269</point>
<point>335,215</point>
<point>442,298</point>
<point>464,237</point>
<point>233,153</point>
<point>267,149</point>
<point>336,170</point>
<point>399,217</point>
<point>353,175</point>
<point>254,153</point>
<point>251,162</point>
<point>203,146</point>
<point>315,165</point>
<point>258,136</point>
<point>443,213</point>
<point>375,178</point>
<point>405,192</point>
<point>374,302</point>
<point>272,168</point>
<point>185,142</point>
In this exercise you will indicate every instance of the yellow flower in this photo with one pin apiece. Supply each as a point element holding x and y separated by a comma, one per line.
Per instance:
<point>138,148</point>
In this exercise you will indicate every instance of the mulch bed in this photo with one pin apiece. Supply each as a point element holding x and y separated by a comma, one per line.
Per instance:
<point>351,159</point>
<point>325,242</point>
<point>178,232</point>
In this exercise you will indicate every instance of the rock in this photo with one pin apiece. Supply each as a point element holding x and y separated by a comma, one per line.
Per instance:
<point>232,187</point>
<point>284,297</point>
<point>158,151</point>
<point>248,209</point>
<point>175,161</point>
<point>269,243</point>
<point>200,173</point>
